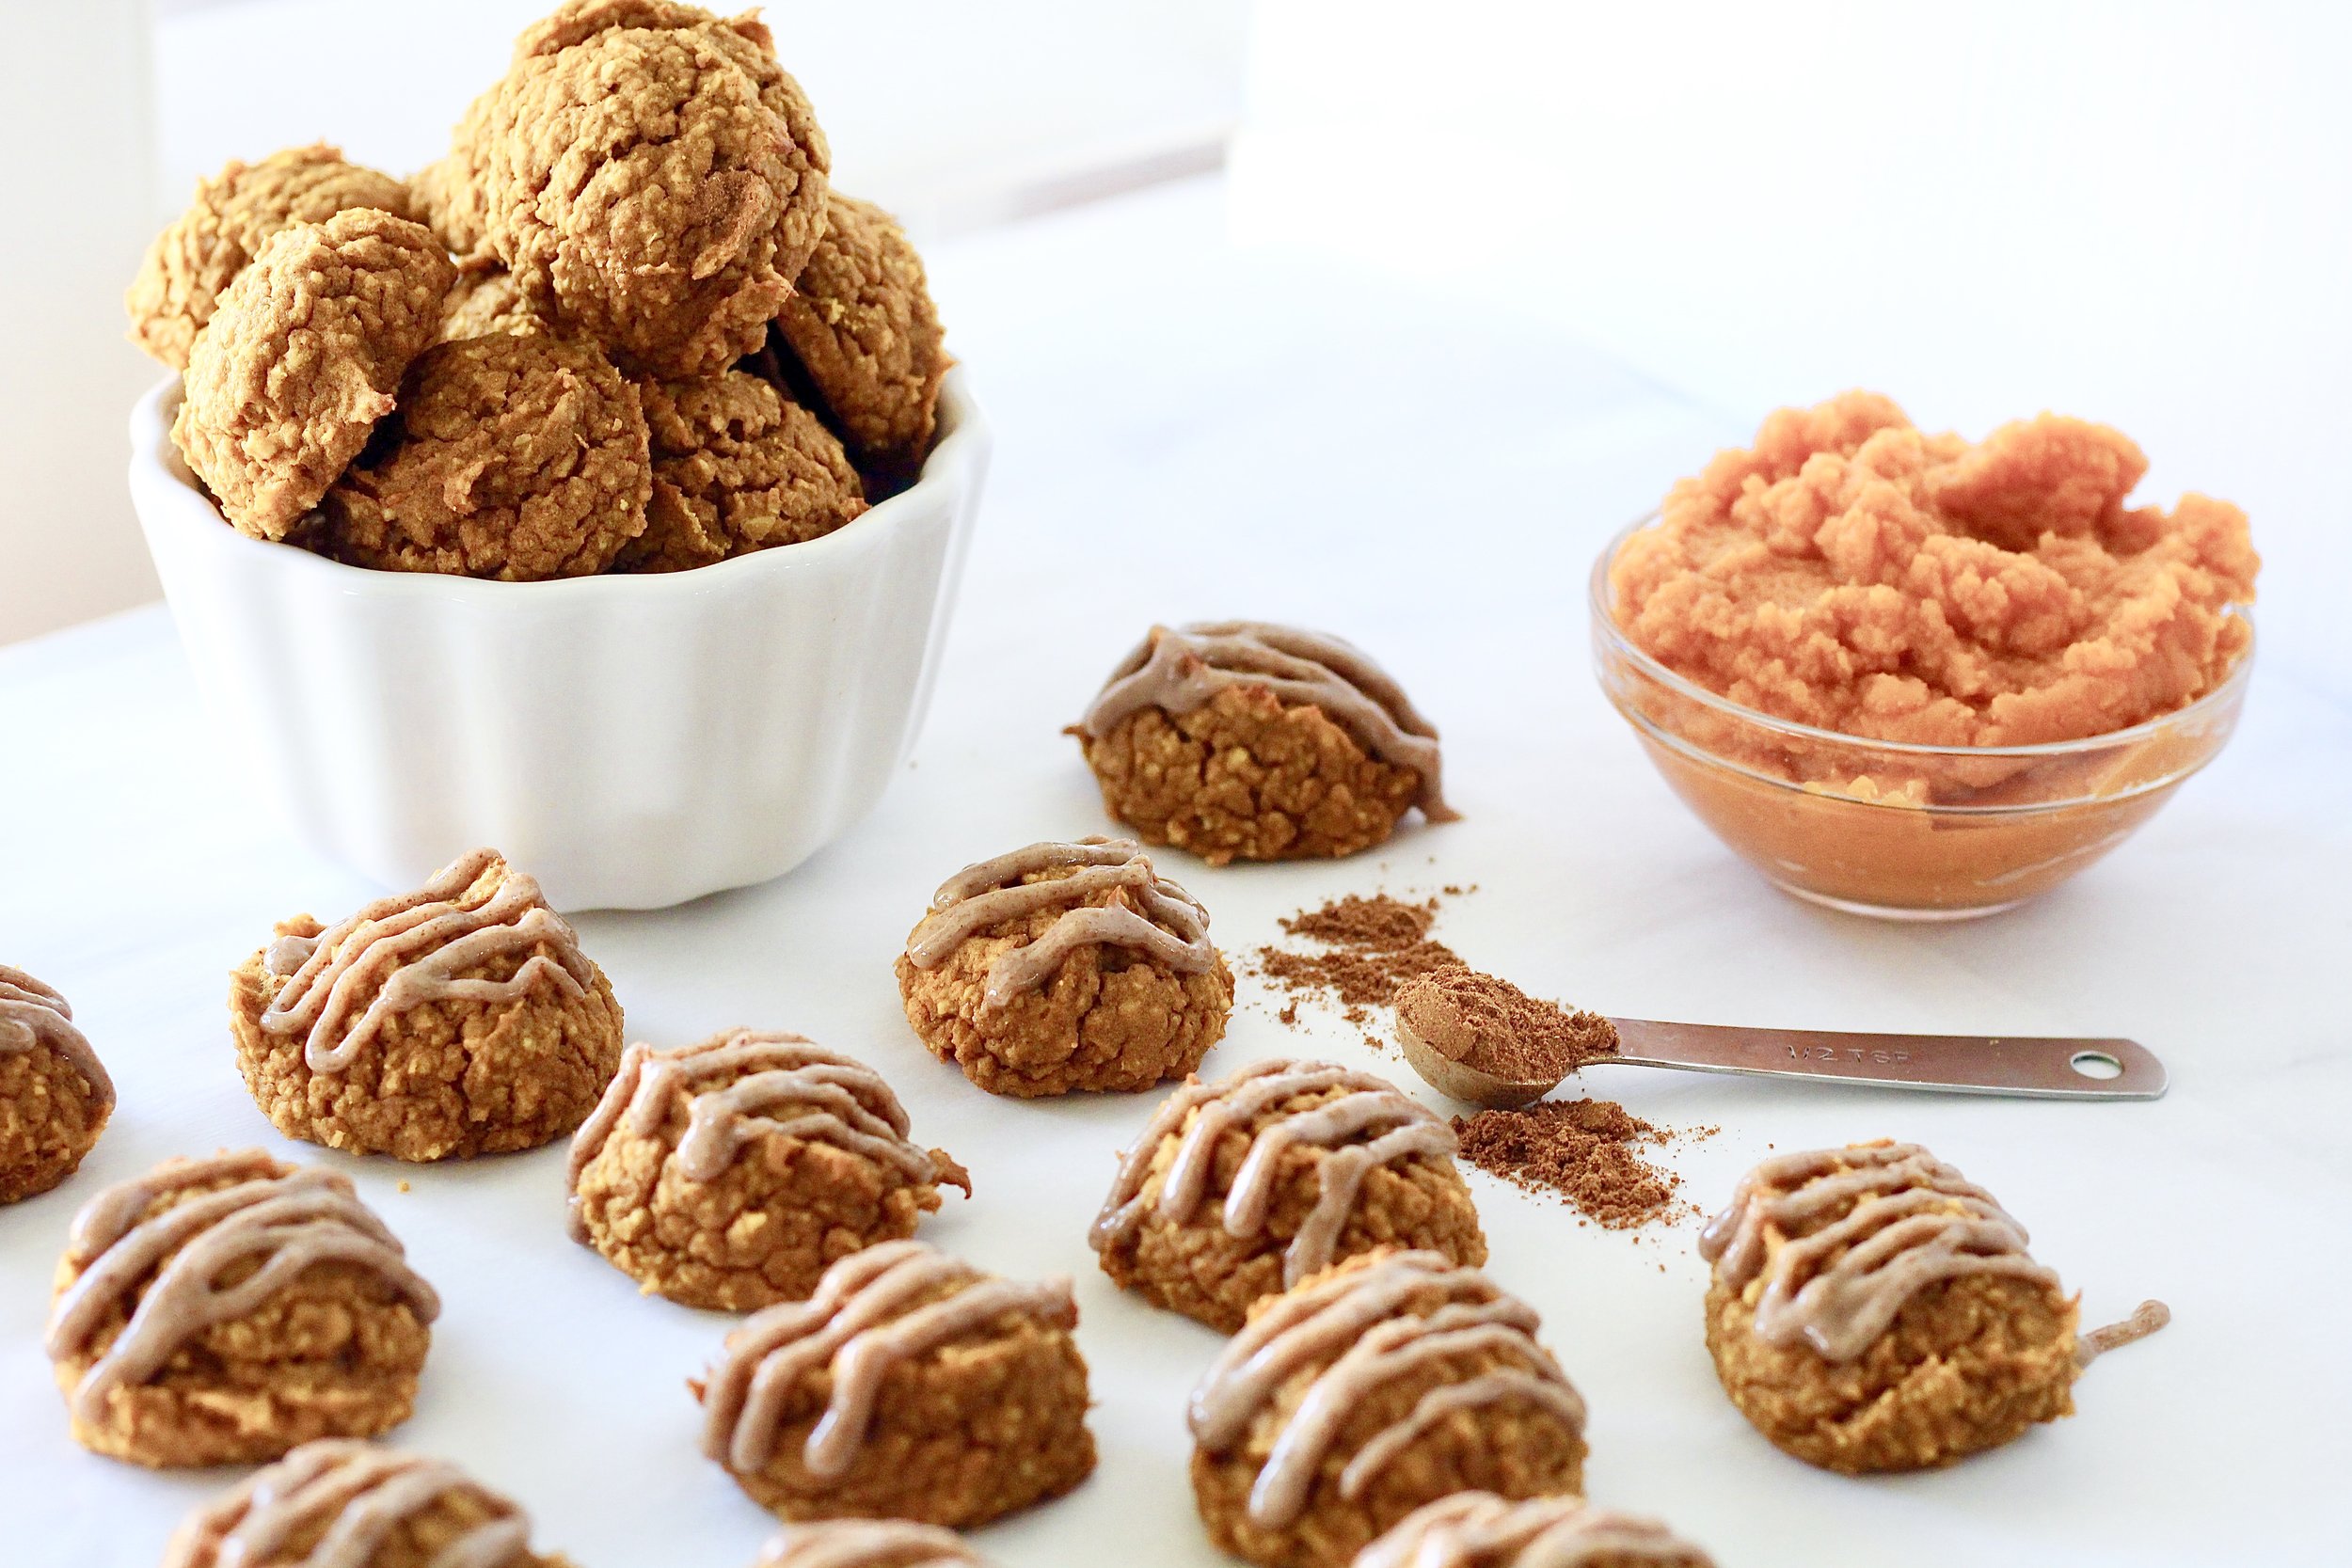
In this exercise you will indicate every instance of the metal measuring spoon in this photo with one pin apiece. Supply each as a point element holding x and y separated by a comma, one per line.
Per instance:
<point>2035,1067</point>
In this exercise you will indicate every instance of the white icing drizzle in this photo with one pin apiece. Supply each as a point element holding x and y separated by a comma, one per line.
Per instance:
<point>1153,915</point>
<point>351,1495</point>
<point>1360,1324</point>
<point>33,1014</point>
<point>1478,1530</point>
<point>1369,1124</point>
<point>870,1312</point>
<point>2146,1318</point>
<point>168,1266</point>
<point>1181,669</point>
<point>735,1083</point>
<point>868,1544</point>
<point>1908,1220</point>
<point>414,948</point>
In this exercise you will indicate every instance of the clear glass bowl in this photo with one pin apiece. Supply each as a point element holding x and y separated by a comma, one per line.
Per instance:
<point>1895,831</point>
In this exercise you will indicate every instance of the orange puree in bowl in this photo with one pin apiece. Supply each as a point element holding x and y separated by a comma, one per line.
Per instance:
<point>1854,572</point>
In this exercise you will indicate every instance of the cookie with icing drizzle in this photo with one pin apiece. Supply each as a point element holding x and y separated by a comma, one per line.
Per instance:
<point>1245,740</point>
<point>458,1020</point>
<point>1368,1391</point>
<point>341,1504</point>
<point>1060,967</point>
<point>54,1094</point>
<point>909,1385</point>
<point>1870,1309</point>
<point>731,1173</point>
<point>1478,1530</point>
<point>1240,1188</point>
<point>227,1309</point>
<point>868,1544</point>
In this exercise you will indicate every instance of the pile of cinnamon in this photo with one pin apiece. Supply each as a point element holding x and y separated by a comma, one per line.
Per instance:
<point>1587,1153</point>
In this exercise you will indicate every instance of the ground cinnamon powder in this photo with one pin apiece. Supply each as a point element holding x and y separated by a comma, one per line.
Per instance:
<point>1588,1153</point>
<point>1370,946</point>
<point>1493,1027</point>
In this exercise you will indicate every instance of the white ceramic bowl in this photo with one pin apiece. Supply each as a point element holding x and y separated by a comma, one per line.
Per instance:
<point>632,741</point>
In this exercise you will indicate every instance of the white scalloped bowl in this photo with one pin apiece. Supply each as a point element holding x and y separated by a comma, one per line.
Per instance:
<point>632,741</point>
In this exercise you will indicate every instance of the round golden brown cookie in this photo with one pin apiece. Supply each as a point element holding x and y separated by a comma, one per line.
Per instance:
<point>301,358</point>
<point>911,1385</point>
<point>1305,1452</point>
<point>868,1544</point>
<point>513,456</point>
<point>55,1093</point>
<point>736,467</point>
<point>861,323</point>
<point>223,1310</point>
<point>1478,1530</point>
<point>1239,740</point>
<point>652,176</point>
<point>378,1508</point>
<point>1299,1165</point>
<point>458,1020</point>
<point>1061,967</point>
<point>450,199</point>
<point>1908,1355</point>
<point>484,300</point>
<point>201,251</point>
<point>731,1173</point>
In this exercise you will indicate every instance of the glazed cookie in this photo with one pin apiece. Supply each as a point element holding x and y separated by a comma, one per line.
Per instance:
<point>1240,1189</point>
<point>458,1020</point>
<point>862,326</point>
<point>911,1385</point>
<point>1478,1530</point>
<point>302,357</point>
<point>224,1310</point>
<point>1236,739</point>
<point>54,1094</point>
<point>1368,1391</point>
<point>340,1504</point>
<point>1065,966</point>
<point>868,1544</point>
<point>1871,1309</point>
<point>733,1173</point>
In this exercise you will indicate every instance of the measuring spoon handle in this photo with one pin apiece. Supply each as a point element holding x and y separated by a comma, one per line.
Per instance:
<point>2043,1068</point>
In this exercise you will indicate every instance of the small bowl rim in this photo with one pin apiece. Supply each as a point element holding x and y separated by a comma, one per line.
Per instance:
<point>2222,698</point>
<point>961,441</point>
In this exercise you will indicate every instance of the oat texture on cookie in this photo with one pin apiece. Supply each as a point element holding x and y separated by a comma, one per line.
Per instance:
<point>55,1096</point>
<point>1060,967</point>
<point>458,1020</point>
<point>909,1385</point>
<point>1242,740</point>
<point>224,1311</point>
<point>1872,1309</point>
<point>732,1173</point>
<point>341,1504</point>
<point>1241,1188</point>
<point>1370,1390</point>
<point>862,328</point>
<point>736,467</point>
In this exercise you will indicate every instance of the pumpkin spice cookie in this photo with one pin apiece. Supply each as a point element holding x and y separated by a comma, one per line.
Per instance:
<point>1065,966</point>
<point>860,324</point>
<point>1478,1530</point>
<point>55,1093</point>
<point>911,1385</point>
<point>1240,1189</point>
<point>868,1544</point>
<point>193,260</point>
<point>224,1310</point>
<point>1236,739</point>
<point>732,1174</point>
<point>1871,1309</point>
<point>459,1020</point>
<point>736,467</point>
<point>484,300</point>
<point>1370,1390</point>
<point>515,456</point>
<point>301,359</point>
<point>340,1504</point>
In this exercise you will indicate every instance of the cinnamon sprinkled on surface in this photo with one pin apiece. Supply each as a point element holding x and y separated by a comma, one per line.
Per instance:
<point>1371,947</point>
<point>1492,1025</point>
<point>1587,1153</point>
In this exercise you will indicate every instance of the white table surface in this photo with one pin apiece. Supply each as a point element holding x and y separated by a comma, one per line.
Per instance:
<point>1189,432</point>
